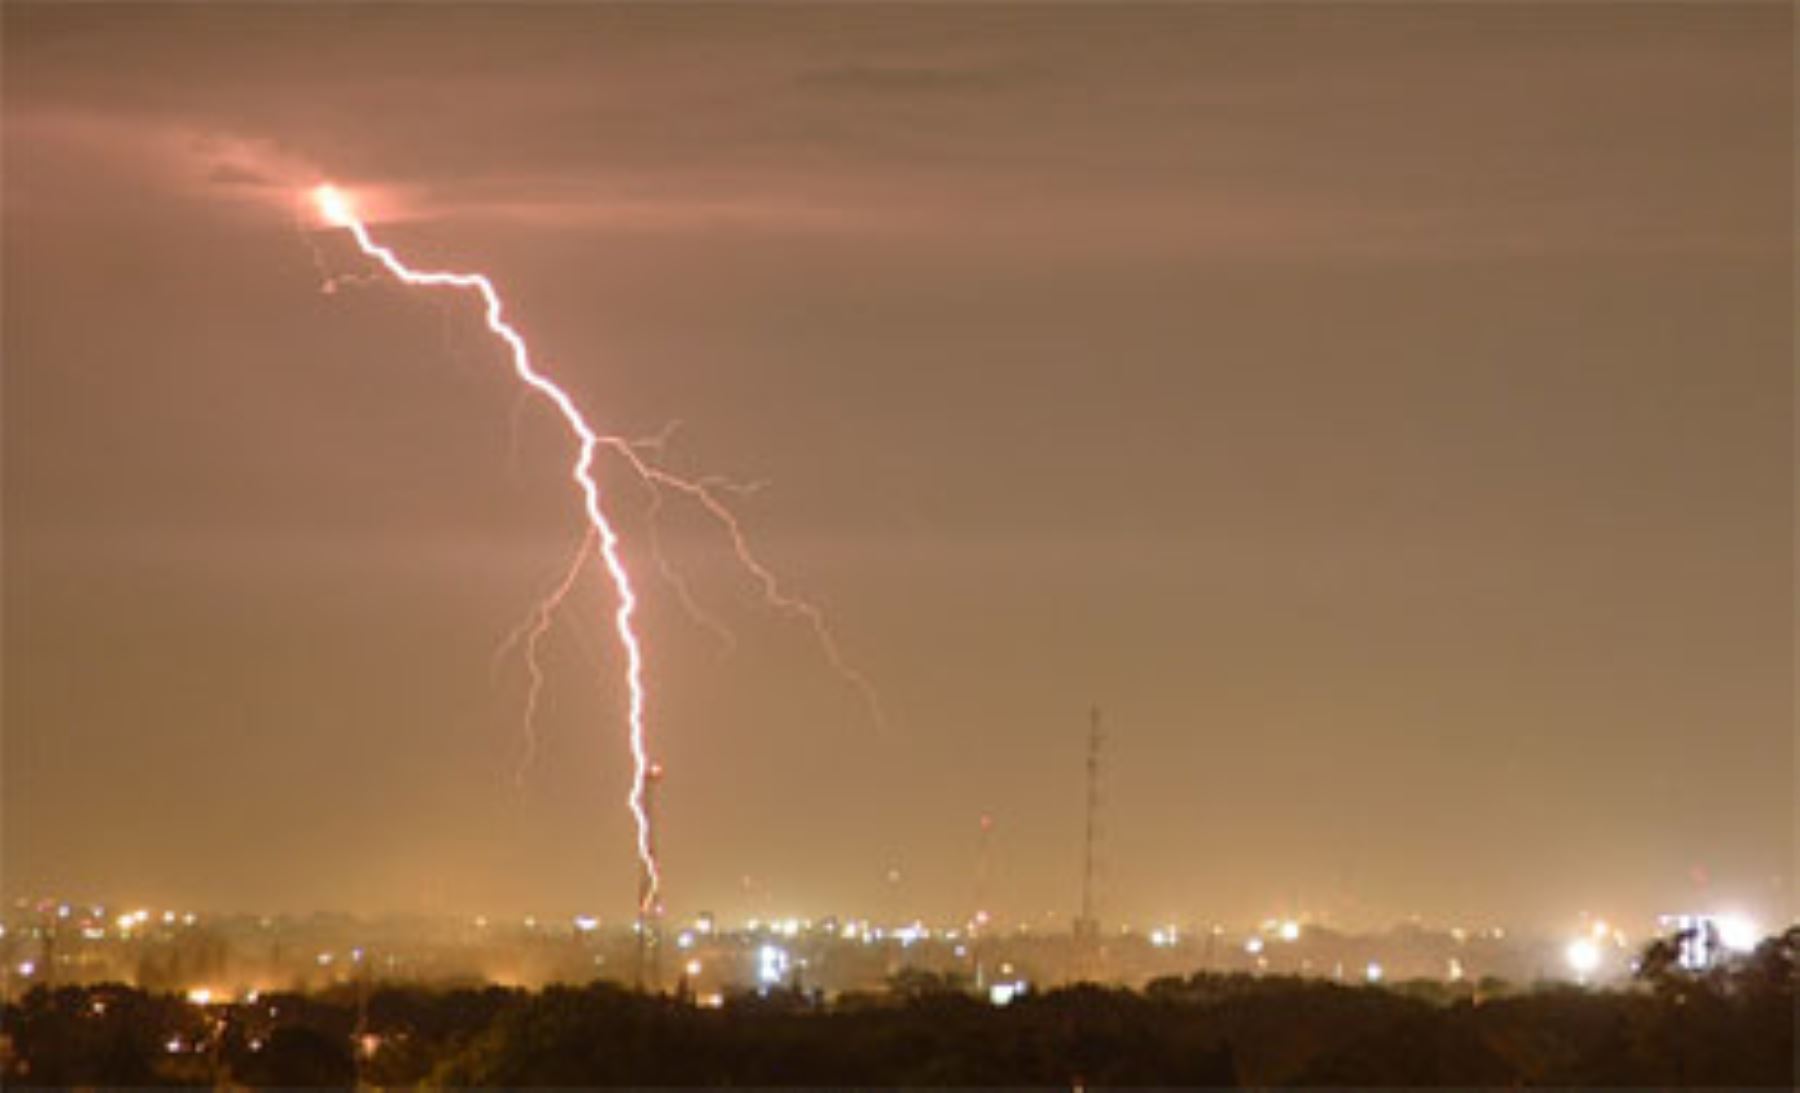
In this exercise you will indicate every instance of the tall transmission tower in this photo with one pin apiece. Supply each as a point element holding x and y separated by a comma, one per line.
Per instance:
<point>1087,924</point>
<point>649,916</point>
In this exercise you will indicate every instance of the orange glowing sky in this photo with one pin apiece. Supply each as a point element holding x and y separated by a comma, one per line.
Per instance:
<point>1383,412</point>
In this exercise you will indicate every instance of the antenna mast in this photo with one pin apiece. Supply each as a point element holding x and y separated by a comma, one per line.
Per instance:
<point>1087,926</point>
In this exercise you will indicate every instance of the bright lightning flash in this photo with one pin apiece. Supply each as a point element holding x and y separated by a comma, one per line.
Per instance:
<point>335,207</point>
<point>336,210</point>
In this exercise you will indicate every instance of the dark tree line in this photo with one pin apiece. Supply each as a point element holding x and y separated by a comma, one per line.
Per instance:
<point>1729,1026</point>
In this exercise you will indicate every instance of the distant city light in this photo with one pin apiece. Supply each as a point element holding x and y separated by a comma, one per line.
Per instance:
<point>587,924</point>
<point>1253,946</point>
<point>27,969</point>
<point>771,965</point>
<point>1583,956</point>
<point>1290,930</point>
<point>1737,932</point>
<point>1373,972</point>
<point>200,996</point>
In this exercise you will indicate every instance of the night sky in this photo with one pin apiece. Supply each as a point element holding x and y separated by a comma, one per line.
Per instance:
<point>1383,413</point>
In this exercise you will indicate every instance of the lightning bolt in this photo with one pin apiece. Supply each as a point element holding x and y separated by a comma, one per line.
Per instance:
<point>337,211</point>
<point>601,538</point>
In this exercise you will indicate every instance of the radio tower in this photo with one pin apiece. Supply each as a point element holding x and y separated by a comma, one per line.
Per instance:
<point>650,908</point>
<point>1087,925</point>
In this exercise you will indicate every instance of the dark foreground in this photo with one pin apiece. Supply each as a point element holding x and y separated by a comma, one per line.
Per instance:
<point>1733,1026</point>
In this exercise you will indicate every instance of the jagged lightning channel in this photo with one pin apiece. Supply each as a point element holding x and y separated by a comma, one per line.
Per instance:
<point>601,539</point>
<point>337,211</point>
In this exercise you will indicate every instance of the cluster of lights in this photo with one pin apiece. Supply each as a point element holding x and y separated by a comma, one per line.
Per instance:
<point>772,963</point>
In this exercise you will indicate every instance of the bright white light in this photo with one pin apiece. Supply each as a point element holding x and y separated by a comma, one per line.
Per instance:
<point>334,206</point>
<point>1001,994</point>
<point>684,940</point>
<point>771,965</point>
<point>27,969</point>
<point>1290,930</point>
<point>587,924</point>
<point>693,967</point>
<point>1583,956</point>
<point>1373,972</point>
<point>1737,932</point>
<point>200,996</point>
<point>1253,946</point>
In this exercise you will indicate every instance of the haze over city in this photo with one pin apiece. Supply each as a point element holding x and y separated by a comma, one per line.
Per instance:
<point>1383,414</point>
